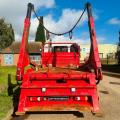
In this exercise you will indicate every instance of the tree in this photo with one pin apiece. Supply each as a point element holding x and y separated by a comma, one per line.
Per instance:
<point>40,34</point>
<point>6,34</point>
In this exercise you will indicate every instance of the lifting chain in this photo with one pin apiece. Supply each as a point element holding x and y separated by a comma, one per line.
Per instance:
<point>67,32</point>
<point>70,34</point>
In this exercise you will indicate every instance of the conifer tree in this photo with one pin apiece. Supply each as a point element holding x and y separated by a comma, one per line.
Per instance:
<point>40,34</point>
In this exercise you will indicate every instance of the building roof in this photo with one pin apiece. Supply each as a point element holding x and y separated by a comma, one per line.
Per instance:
<point>33,47</point>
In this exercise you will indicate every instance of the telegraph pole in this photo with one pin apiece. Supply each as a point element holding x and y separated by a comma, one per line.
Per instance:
<point>119,39</point>
<point>118,50</point>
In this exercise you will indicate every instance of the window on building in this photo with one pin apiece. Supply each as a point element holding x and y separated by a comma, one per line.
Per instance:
<point>8,59</point>
<point>83,49</point>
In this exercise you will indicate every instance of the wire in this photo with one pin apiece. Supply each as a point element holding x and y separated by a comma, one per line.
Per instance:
<point>69,31</point>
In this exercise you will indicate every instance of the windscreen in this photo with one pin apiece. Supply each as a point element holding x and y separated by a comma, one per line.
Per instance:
<point>60,49</point>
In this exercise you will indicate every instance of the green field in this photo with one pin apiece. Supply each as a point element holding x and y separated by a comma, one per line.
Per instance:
<point>6,74</point>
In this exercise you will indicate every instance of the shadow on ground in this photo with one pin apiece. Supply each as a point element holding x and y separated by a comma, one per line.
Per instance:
<point>75,113</point>
<point>115,83</point>
<point>14,91</point>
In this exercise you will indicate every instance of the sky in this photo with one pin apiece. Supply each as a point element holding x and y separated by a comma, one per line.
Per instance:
<point>61,15</point>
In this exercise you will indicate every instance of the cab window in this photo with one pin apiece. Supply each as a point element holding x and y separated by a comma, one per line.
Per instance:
<point>60,49</point>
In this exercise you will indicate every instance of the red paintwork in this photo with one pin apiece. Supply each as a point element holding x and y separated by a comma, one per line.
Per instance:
<point>23,60</point>
<point>46,83</point>
<point>94,58</point>
<point>56,59</point>
<point>34,82</point>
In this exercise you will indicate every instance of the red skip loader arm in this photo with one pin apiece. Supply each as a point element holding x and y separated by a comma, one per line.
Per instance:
<point>23,56</point>
<point>94,60</point>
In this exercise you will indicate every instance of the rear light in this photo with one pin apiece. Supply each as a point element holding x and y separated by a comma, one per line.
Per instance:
<point>73,89</point>
<point>86,98</point>
<point>78,98</point>
<point>38,98</point>
<point>81,98</point>
<point>44,98</point>
<point>34,99</point>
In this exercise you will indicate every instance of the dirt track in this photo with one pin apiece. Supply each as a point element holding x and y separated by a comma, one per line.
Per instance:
<point>109,92</point>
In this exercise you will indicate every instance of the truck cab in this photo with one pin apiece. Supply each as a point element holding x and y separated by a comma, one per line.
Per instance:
<point>61,54</point>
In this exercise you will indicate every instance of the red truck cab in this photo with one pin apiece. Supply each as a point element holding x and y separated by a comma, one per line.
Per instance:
<point>61,54</point>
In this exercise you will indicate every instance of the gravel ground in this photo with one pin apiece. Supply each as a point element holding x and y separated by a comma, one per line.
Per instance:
<point>109,92</point>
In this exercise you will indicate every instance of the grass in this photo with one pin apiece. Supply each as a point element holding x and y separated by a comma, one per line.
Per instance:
<point>6,100</point>
<point>4,71</point>
<point>5,103</point>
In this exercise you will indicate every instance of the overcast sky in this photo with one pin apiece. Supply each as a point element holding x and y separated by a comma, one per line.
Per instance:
<point>61,15</point>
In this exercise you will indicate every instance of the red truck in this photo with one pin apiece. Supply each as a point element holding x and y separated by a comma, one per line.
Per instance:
<point>61,82</point>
